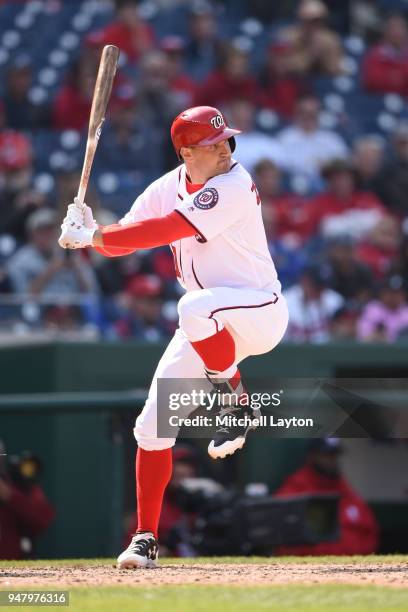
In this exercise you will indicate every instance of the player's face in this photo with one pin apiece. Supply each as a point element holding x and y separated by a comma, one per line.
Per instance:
<point>210,160</point>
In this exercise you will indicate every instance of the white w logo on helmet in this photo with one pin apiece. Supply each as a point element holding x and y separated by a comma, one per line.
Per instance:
<point>217,121</point>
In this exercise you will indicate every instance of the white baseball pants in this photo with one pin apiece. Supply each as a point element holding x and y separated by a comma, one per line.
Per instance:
<point>256,320</point>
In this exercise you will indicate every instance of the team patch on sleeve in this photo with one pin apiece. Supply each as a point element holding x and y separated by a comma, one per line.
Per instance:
<point>206,199</point>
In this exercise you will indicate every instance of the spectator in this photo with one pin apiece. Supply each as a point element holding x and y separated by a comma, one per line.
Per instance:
<point>381,246</point>
<point>156,102</point>
<point>321,473</point>
<point>66,189</point>
<point>142,306</point>
<point>353,280</point>
<point>342,209</point>
<point>315,49</point>
<point>20,112</point>
<point>181,84</point>
<point>347,274</point>
<point>62,318</point>
<point>312,306</point>
<point>368,160</point>
<point>41,269</point>
<point>392,185</point>
<point>255,145</point>
<point>7,246</point>
<point>115,272</point>
<point>2,116</point>
<point>340,14</point>
<point>366,18</point>
<point>72,105</point>
<point>280,86</point>
<point>18,199</point>
<point>306,146</point>
<point>128,32</point>
<point>15,161</point>
<point>162,264</point>
<point>25,511</point>
<point>128,144</point>
<point>268,12</point>
<point>232,79</point>
<point>400,267</point>
<point>285,219</point>
<point>344,323</point>
<point>286,215</point>
<point>203,50</point>
<point>385,68</point>
<point>386,318</point>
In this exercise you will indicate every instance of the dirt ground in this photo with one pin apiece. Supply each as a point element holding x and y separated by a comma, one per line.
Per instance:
<point>394,574</point>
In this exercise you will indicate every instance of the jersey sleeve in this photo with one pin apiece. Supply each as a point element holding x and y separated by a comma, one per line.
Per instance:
<point>147,234</point>
<point>217,206</point>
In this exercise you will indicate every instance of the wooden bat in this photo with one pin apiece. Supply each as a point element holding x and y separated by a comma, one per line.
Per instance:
<point>102,91</point>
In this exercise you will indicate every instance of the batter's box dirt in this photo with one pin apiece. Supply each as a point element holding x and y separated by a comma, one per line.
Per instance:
<point>237,574</point>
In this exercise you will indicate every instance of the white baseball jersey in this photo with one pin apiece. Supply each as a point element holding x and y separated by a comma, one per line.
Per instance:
<point>230,247</point>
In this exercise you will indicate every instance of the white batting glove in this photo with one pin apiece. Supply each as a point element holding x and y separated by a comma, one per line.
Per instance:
<point>78,227</point>
<point>81,215</point>
<point>88,219</point>
<point>75,236</point>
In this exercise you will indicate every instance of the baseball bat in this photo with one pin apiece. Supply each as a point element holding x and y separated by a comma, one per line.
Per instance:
<point>102,91</point>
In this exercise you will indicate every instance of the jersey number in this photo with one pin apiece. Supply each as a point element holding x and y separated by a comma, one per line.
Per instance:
<point>255,190</point>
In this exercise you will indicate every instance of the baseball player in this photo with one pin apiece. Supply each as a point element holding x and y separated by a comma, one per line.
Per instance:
<point>208,210</point>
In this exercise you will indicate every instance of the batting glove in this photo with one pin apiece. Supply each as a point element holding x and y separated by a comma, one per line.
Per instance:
<point>78,227</point>
<point>80,214</point>
<point>75,236</point>
<point>89,221</point>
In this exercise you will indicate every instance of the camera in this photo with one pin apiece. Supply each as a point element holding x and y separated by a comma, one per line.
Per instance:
<point>227,522</point>
<point>22,470</point>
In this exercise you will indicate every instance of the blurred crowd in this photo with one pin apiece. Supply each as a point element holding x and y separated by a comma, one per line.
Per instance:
<point>319,89</point>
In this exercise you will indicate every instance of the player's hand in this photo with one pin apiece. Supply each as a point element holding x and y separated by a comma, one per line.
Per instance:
<point>89,221</point>
<point>78,227</point>
<point>81,214</point>
<point>75,235</point>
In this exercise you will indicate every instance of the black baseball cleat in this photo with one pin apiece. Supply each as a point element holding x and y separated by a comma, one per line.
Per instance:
<point>235,418</point>
<point>143,551</point>
<point>230,436</point>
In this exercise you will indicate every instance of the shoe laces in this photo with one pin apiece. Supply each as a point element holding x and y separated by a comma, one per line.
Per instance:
<point>138,544</point>
<point>224,411</point>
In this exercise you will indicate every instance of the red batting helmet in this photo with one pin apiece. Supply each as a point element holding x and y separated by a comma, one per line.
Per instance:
<point>201,125</point>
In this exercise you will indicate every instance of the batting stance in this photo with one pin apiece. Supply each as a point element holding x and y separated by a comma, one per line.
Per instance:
<point>208,210</point>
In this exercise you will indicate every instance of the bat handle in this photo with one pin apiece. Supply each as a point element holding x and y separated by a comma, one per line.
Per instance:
<point>79,200</point>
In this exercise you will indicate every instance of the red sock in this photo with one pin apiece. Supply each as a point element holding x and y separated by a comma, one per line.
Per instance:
<point>217,351</point>
<point>153,472</point>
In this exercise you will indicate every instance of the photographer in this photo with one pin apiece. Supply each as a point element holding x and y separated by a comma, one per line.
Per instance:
<point>24,510</point>
<point>321,473</point>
